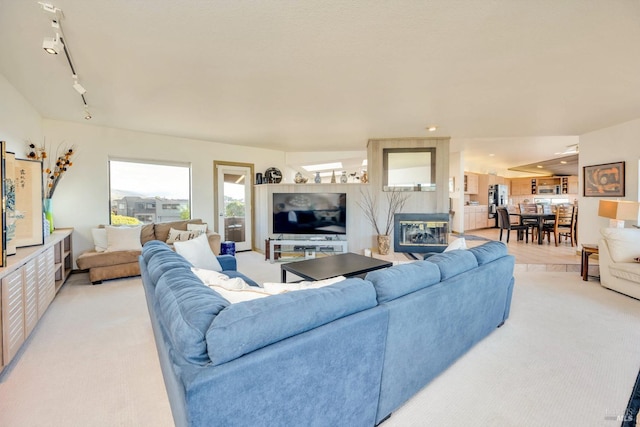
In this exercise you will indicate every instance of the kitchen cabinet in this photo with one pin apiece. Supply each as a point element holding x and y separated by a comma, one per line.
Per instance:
<point>572,184</point>
<point>476,217</point>
<point>521,187</point>
<point>470,183</point>
<point>497,180</point>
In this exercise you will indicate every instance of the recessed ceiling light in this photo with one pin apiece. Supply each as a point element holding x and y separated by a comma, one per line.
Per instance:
<point>539,166</point>
<point>323,166</point>
<point>563,162</point>
<point>491,155</point>
<point>432,128</point>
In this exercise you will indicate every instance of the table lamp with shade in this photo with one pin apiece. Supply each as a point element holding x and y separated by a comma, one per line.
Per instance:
<point>618,211</point>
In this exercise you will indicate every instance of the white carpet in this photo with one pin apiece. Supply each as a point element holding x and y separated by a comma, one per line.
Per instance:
<point>568,355</point>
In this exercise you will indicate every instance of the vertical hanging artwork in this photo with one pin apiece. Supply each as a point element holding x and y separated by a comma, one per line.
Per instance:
<point>29,191</point>
<point>3,218</point>
<point>12,214</point>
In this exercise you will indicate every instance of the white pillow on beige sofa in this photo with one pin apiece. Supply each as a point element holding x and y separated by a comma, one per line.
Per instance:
<point>100,239</point>
<point>181,235</point>
<point>123,238</point>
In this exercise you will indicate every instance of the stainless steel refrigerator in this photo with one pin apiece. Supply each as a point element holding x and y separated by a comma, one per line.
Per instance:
<point>498,196</point>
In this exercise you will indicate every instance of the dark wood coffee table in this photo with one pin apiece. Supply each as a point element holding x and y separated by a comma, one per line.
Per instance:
<point>347,265</point>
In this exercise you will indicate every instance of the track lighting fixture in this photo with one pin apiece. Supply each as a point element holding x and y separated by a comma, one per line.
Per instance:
<point>79,88</point>
<point>58,45</point>
<point>53,46</point>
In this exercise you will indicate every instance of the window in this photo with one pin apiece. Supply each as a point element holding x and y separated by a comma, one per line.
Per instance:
<point>145,192</point>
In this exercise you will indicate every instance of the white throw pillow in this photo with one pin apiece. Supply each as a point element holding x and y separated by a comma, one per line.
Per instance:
<point>99,239</point>
<point>123,238</point>
<point>279,288</point>
<point>459,243</point>
<point>198,252</point>
<point>197,227</point>
<point>181,235</point>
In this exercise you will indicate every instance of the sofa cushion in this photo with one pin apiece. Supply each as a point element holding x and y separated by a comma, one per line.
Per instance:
<point>198,252</point>
<point>454,262</point>
<point>626,270</point>
<point>489,251</point>
<point>147,233</point>
<point>153,247</point>
<point>92,259</point>
<point>186,309</point>
<point>161,229</point>
<point>393,282</point>
<point>623,243</point>
<point>165,261</point>
<point>242,328</point>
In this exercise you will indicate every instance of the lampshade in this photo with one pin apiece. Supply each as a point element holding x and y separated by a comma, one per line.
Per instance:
<point>618,209</point>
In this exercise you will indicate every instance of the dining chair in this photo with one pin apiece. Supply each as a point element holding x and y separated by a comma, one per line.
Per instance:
<point>532,224</point>
<point>565,223</point>
<point>504,223</point>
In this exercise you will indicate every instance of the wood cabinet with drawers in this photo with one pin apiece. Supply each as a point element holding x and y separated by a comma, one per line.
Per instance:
<point>29,283</point>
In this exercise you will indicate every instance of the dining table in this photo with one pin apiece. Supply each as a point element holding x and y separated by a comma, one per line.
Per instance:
<point>540,218</point>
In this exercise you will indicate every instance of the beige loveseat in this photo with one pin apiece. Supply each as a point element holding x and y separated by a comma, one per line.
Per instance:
<point>124,263</point>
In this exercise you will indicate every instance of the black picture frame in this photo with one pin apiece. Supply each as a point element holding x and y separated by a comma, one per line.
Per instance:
<point>605,180</point>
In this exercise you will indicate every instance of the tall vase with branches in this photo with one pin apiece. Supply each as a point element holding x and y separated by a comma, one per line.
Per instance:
<point>53,171</point>
<point>371,208</point>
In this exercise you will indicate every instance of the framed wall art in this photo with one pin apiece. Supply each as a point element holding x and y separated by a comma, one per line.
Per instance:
<point>3,217</point>
<point>29,191</point>
<point>606,180</point>
<point>12,216</point>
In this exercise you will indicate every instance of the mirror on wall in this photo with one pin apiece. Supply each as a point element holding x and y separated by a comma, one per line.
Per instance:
<point>409,169</point>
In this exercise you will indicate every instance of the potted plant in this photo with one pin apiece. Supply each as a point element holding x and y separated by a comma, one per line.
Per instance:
<point>370,207</point>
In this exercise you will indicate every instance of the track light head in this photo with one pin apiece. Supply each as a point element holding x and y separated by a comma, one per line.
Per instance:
<point>53,46</point>
<point>79,88</point>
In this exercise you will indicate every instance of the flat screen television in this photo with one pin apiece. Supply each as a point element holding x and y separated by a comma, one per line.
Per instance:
<point>310,213</point>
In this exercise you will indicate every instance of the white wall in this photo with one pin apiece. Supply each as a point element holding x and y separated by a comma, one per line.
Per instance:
<point>82,198</point>
<point>19,121</point>
<point>613,144</point>
<point>456,171</point>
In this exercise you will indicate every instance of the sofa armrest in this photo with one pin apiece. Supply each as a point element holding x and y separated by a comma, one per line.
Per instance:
<point>227,262</point>
<point>214,242</point>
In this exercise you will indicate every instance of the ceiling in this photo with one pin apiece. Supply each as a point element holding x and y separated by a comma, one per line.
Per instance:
<point>321,76</point>
<point>562,166</point>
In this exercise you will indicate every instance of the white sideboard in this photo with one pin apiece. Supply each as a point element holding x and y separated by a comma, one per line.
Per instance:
<point>29,283</point>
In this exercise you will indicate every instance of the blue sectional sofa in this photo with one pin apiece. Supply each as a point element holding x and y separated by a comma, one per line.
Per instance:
<point>348,354</point>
